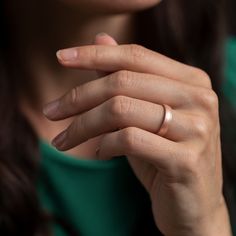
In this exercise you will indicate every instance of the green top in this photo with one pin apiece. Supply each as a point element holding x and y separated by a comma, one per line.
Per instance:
<point>99,198</point>
<point>103,198</point>
<point>229,86</point>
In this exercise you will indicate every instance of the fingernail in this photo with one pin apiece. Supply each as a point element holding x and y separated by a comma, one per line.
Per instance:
<point>69,54</point>
<point>102,34</point>
<point>59,140</point>
<point>51,108</point>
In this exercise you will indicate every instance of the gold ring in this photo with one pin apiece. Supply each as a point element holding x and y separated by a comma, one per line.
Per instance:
<point>167,118</point>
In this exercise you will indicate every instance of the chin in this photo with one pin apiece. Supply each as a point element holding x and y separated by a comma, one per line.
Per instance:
<point>112,6</point>
<point>132,5</point>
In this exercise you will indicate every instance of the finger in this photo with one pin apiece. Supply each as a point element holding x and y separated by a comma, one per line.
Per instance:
<point>165,154</point>
<point>122,112</point>
<point>104,39</point>
<point>112,58</point>
<point>145,87</point>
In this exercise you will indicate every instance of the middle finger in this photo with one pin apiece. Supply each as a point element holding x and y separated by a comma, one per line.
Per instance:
<point>147,87</point>
<point>121,112</point>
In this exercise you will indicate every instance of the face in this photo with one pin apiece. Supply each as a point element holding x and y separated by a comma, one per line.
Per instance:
<point>112,6</point>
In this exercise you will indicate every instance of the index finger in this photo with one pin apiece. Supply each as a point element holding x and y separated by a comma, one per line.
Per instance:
<point>111,58</point>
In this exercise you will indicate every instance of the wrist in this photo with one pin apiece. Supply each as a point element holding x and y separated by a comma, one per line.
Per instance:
<point>215,224</point>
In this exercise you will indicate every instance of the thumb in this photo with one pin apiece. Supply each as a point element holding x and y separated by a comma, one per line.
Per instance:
<point>104,39</point>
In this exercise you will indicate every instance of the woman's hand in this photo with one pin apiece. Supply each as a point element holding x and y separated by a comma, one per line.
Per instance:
<point>182,170</point>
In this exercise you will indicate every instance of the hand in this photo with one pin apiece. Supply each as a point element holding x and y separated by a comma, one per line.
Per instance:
<point>182,170</point>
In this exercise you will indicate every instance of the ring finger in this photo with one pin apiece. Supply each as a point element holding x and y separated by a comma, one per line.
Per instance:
<point>120,112</point>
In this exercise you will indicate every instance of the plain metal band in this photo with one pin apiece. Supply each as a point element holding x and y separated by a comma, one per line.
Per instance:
<point>166,120</point>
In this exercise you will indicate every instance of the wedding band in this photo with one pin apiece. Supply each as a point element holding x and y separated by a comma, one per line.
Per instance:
<point>166,120</point>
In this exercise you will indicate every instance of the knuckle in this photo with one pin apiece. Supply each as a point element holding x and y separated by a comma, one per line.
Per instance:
<point>95,54</point>
<point>201,127</point>
<point>137,52</point>
<point>81,123</point>
<point>130,138</point>
<point>120,80</point>
<point>211,99</point>
<point>119,107</point>
<point>75,95</point>
<point>208,99</point>
<point>203,77</point>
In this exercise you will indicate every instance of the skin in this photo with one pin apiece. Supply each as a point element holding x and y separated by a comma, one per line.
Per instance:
<point>49,80</point>
<point>181,170</point>
<point>106,6</point>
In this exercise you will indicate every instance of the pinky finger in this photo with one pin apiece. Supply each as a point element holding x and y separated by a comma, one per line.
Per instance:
<point>138,143</point>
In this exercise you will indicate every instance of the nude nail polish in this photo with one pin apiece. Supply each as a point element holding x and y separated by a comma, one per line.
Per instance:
<point>69,54</point>
<point>51,108</point>
<point>59,140</point>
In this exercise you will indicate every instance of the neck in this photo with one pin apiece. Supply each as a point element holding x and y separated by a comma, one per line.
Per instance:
<point>40,30</point>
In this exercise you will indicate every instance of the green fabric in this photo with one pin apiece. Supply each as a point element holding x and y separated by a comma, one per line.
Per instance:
<point>229,85</point>
<point>101,198</point>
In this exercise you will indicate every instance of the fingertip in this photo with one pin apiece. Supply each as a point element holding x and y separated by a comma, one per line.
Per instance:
<point>103,38</point>
<point>50,109</point>
<point>101,34</point>
<point>58,55</point>
<point>59,140</point>
<point>67,55</point>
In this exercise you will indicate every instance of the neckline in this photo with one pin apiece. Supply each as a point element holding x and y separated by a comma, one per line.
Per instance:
<point>48,151</point>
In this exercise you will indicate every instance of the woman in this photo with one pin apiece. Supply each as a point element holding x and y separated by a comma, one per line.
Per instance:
<point>174,150</point>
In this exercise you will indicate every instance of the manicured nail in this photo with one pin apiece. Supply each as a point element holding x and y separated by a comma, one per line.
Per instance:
<point>102,34</point>
<point>51,108</point>
<point>69,54</point>
<point>59,140</point>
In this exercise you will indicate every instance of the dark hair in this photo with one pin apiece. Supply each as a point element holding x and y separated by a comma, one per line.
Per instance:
<point>188,31</point>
